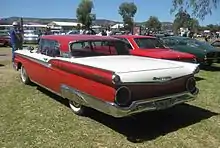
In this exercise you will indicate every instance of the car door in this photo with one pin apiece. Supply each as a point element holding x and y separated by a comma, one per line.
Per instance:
<point>52,79</point>
<point>37,62</point>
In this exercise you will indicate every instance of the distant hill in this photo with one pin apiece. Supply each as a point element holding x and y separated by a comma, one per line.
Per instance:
<point>48,20</point>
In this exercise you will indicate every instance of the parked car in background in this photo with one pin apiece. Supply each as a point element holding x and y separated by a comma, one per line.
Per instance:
<point>73,32</point>
<point>216,43</point>
<point>205,53</point>
<point>98,72</point>
<point>4,38</point>
<point>149,46</point>
<point>30,37</point>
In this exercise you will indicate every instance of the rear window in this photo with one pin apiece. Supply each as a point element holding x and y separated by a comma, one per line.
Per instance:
<point>98,48</point>
<point>148,43</point>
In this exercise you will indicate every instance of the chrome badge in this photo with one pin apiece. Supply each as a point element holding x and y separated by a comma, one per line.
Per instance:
<point>162,78</point>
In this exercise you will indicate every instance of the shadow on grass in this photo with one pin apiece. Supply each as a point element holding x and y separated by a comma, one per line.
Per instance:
<point>199,79</point>
<point>52,95</point>
<point>150,125</point>
<point>210,68</point>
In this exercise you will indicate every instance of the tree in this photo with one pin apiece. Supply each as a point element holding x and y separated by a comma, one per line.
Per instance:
<point>83,13</point>
<point>194,25</point>
<point>183,19</point>
<point>153,23</point>
<point>200,8</point>
<point>213,28</point>
<point>128,11</point>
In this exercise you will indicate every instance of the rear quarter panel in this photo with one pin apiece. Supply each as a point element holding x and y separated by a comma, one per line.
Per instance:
<point>94,82</point>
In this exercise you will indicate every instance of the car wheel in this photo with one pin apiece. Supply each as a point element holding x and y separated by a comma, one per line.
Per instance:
<point>77,108</point>
<point>24,76</point>
<point>5,44</point>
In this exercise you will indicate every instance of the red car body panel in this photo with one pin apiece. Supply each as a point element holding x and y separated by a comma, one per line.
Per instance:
<point>84,78</point>
<point>155,53</point>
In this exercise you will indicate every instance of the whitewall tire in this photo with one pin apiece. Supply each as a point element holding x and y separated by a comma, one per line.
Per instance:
<point>24,76</point>
<point>77,108</point>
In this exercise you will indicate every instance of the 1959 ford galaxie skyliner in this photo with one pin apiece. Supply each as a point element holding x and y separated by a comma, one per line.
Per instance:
<point>98,72</point>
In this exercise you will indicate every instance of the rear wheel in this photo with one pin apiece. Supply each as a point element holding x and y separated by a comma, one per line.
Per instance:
<point>24,76</point>
<point>77,108</point>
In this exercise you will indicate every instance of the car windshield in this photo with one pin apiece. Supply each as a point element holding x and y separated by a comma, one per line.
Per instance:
<point>98,48</point>
<point>148,43</point>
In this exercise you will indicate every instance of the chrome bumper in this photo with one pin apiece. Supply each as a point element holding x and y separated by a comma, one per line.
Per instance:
<point>136,106</point>
<point>150,104</point>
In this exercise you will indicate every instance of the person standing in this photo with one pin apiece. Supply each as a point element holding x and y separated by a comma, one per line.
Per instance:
<point>104,33</point>
<point>48,31</point>
<point>108,32</point>
<point>15,38</point>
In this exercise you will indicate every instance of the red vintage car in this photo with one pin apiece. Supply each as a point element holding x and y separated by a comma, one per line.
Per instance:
<point>4,38</point>
<point>149,46</point>
<point>99,72</point>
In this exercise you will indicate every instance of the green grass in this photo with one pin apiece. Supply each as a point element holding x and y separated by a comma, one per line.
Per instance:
<point>33,117</point>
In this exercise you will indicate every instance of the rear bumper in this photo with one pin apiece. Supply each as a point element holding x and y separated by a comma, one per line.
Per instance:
<point>150,104</point>
<point>114,110</point>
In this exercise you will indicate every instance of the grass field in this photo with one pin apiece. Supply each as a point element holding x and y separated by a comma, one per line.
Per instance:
<point>33,117</point>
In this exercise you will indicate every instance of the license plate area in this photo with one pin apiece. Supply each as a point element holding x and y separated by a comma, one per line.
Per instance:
<point>163,104</point>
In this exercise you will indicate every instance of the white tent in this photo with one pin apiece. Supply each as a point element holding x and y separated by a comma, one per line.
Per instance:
<point>64,24</point>
<point>117,26</point>
<point>96,27</point>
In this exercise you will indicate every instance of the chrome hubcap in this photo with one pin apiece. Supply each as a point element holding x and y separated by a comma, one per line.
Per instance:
<point>77,105</point>
<point>23,74</point>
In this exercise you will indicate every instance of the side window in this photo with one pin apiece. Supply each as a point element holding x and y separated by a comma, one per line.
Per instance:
<point>81,45</point>
<point>42,46</point>
<point>49,48</point>
<point>98,48</point>
<point>168,42</point>
<point>56,52</point>
<point>127,43</point>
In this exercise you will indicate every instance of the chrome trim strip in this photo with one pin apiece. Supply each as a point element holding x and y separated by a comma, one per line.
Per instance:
<point>155,82</point>
<point>114,110</point>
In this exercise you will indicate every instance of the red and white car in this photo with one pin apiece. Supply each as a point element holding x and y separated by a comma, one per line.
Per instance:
<point>149,46</point>
<point>98,72</point>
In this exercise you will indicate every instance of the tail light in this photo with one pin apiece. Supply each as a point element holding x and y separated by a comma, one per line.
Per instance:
<point>191,85</point>
<point>123,96</point>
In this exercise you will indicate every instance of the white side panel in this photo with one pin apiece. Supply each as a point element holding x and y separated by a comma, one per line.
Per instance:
<point>34,55</point>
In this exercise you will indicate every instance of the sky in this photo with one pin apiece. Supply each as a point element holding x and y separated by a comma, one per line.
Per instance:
<point>105,9</point>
